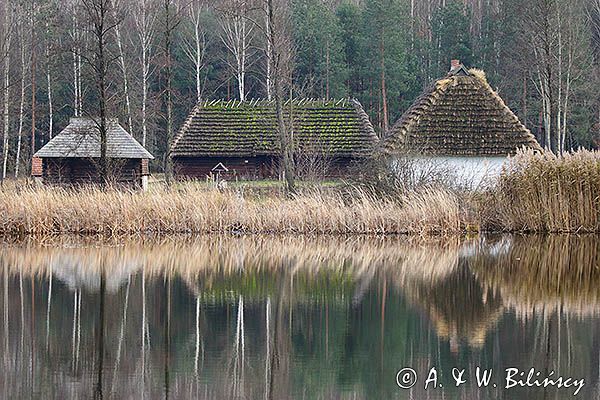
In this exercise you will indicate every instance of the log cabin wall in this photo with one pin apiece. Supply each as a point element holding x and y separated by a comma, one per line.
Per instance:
<point>239,167</point>
<point>250,167</point>
<point>78,171</point>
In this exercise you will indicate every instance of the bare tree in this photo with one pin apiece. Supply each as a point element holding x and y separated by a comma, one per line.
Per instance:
<point>237,36</point>
<point>268,78</point>
<point>145,22</point>
<point>170,23</point>
<point>6,42</point>
<point>195,49</point>
<point>77,40</point>
<point>556,40</point>
<point>116,6</point>
<point>49,81</point>
<point>33,76</point>
<point>21,29</point>
<point>281,59</point>
<point>101,25</point>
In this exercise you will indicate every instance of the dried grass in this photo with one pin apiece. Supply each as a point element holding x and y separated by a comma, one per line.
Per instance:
<point>44,211</point>
<point>541,192</point>
<point>536,192</point>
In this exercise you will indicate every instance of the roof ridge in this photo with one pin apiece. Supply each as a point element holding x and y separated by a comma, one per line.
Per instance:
<point>234,103</point>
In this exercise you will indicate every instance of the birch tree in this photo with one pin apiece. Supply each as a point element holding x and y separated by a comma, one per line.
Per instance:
<point>268,53</point>
<point>170,23</point>
<point>23,65</point>
<point>558,44</point>
<point>237,34</point>
<point>33,20</point>
<point>145,23</point>
<point>195,47</point>
<point>77,39</point>
<point>6,45</point>
<point>49,82</point>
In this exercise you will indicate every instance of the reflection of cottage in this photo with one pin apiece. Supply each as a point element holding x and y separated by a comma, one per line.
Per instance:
<point>243,137</point>
<point>462,123</point>
<point>461,311</point>
<point>72,156</point>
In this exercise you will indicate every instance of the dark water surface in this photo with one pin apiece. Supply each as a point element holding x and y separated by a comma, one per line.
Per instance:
<point>297,318</point>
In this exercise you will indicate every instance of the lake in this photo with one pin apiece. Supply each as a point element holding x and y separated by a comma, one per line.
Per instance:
<point>224,317</point>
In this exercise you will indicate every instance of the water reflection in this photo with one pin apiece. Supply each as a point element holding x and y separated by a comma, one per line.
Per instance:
<point>281,317</point>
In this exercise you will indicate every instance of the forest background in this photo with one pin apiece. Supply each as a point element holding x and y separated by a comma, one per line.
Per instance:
<point>542,56</point>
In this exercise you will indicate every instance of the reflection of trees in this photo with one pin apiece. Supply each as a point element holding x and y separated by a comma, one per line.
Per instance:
<point>214,318</point>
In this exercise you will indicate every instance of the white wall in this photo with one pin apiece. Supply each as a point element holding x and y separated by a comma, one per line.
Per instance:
<point>470,172</point>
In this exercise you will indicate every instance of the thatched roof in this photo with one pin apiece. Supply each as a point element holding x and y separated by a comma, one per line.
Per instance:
<point>81,139</point>
<point>459,115</point>
<point>234,128</point>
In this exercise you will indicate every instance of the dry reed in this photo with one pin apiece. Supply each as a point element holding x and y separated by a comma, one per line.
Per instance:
<point>43,211</point>
<point>541,192</point>
<point>536,192</point>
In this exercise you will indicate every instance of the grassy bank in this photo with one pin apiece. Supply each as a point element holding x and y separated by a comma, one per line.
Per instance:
<point>536,193</point>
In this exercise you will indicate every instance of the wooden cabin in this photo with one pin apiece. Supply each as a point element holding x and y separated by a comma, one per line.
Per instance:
<point>72,157</point>
<point>242,138</point>
<point>462,123</point>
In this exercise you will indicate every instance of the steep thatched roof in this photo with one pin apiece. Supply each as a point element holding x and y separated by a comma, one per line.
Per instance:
<point>81,139</point>
<point>459,115</point>
<point>234,128</point>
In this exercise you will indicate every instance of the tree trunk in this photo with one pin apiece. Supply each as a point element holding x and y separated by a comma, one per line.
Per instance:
<point>145,25</point>
<point>49,87</point>
<point>384,125</point>
<point>268,78</point>
<point>123,71</point>
<point>33,80</point>
<point>6,81</point>
<point>21,104</point>
<point>287,158</point>
<point>168,165</point>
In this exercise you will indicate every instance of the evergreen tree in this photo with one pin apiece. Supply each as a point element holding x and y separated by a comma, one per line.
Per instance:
<point>320,69</point>
<point>451,34</point>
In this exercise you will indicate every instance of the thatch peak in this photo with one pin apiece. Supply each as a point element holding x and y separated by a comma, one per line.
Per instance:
<point>459,115</point>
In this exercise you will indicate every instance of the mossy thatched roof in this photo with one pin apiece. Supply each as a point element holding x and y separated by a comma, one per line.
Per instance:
<point>459,115</point>
<point>232,128</point>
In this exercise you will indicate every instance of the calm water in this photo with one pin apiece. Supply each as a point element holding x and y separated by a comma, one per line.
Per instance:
<point>294,318</point>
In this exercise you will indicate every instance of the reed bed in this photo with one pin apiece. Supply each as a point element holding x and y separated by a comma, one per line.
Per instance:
<point>190,209</point>
<point>542,192</point>
<point>536,192</point>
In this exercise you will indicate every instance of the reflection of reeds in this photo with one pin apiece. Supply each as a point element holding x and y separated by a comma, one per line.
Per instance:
<point>463,287</point>
<point>190,208</point>
<point>209,257</point>
<point>545,274</point>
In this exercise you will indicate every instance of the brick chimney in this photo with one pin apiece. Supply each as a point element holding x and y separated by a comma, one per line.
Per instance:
<point>454,64</point>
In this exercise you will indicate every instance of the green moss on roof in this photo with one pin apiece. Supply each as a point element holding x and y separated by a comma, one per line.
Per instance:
<point>234,128</point>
